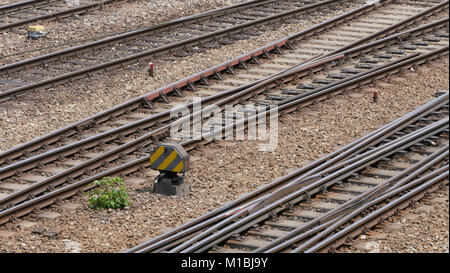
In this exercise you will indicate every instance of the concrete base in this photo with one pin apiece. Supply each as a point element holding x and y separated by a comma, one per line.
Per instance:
<point>171,185</point>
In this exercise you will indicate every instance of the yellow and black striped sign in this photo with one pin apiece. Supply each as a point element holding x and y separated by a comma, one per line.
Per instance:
<point>170,158</point>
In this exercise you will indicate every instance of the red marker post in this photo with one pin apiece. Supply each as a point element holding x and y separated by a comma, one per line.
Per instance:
<point>375,96</point>
<point>151,68</point>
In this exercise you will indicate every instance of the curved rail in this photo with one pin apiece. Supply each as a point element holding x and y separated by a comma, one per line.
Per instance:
<point>94,56</point>
<point>132,166</point>
<point>51,140</point>
<point>301,185</point>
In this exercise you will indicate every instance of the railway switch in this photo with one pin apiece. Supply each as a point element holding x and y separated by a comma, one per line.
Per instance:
<point>36,31</point>
<point>170,159</point>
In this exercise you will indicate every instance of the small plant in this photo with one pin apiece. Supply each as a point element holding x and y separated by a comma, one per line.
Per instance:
<point>110,194</point>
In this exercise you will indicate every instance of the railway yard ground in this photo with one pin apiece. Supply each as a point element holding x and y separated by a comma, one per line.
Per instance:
<point>120,17</point>
<point>221,171</point>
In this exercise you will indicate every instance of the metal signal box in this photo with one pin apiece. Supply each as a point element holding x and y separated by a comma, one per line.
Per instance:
<point>170,159</point>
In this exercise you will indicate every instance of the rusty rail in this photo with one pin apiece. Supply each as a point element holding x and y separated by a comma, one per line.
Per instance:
<point>52,15</point>
<point>36,143</point>
<point>83,185</point>
<point>237,208</point>
<point>180,45</point>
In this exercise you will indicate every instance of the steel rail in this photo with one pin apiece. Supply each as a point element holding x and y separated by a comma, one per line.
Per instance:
<point>142,55</point>
<point>330,217</point>
<point>150,246</point>
<point>92,163</point>
<point>134,33</point>
<point>322,227</point>
<point>346,83</point>
<point>393,28</point>
<point>357,51</point>
<point>147,53</point>
<point>203,16</point>
<point>377,72</point>
<point>427,55</point>
<point>395,37</point>
<point>345,163</point>
<point>180,84</point>
<point>18,5</point>
<point>45,186</point>
<point>65,173</point>
<point>97,161</point>
<point>382,133</point>
<point>212,217</point>
<point>66,191</point>
<point>57,14</point>
<point>24,7</point>
<point>363,161</point>
<point>126,129</point>
<point>101,3</point>
<point>181,231</point>
<point>67,150</point>
<point>381,72</point>
<point>415,169</point>
<point>327,227</point>
<point>443,173</point>
<point>35,144</point>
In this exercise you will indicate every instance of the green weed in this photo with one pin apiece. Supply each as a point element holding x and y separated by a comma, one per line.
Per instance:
<point>109,194</point>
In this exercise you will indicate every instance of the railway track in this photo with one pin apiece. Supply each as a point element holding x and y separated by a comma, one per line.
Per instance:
<point>227,76</point>
<point>131,156</point>
<point>22,13</point>
<point>330,201</point>
<point>176,38</point>
<point>200,31</point>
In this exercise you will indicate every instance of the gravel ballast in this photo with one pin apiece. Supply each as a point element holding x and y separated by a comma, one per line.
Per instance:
<point>220,172</point>
<point>223,171</point>
<point>422,228</point>
<point>96,24</point>
<point>44,111</point>
<point>8,2</point>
